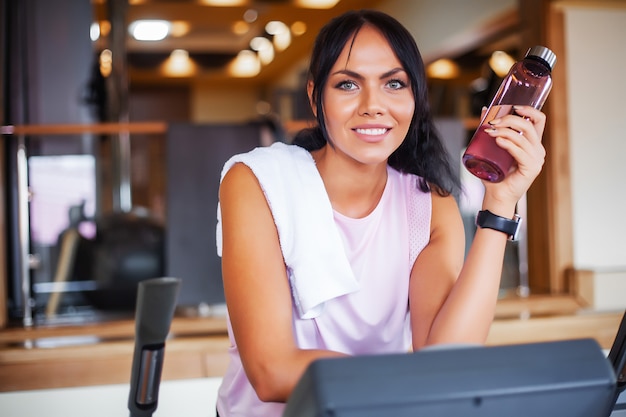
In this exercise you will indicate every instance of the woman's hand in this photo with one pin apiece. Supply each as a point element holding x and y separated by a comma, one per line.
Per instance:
<point>519,134</point>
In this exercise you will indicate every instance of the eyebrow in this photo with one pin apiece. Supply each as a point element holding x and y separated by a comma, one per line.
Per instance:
<point>360,77</point>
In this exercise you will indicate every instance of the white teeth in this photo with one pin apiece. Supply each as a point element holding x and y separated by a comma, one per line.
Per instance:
<point>372,132</point>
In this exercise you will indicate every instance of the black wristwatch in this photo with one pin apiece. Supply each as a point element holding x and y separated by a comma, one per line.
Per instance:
<point>486,219</point>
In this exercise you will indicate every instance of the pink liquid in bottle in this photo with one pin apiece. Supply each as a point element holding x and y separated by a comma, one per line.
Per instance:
<point>484,158</point>
<point>528,83</point>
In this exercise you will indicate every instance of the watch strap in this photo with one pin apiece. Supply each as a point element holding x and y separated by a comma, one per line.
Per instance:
<point>488,220</point>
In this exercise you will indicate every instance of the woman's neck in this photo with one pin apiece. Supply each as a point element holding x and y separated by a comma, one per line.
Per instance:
<point>354,189</point>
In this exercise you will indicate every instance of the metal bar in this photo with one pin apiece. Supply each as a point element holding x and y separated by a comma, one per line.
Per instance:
<point>76,129</point>
<point>24,230</point>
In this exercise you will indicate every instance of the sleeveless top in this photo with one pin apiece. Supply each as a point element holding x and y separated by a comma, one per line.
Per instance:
<point>381,249</point>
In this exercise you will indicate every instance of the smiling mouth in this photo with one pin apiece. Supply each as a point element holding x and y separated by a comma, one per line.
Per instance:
<point>372,132</point>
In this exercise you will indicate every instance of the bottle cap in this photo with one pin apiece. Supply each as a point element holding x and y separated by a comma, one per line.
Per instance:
<point>544,53</point>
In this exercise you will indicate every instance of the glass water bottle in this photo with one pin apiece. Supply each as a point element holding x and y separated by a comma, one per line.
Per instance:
<point>528,83</point>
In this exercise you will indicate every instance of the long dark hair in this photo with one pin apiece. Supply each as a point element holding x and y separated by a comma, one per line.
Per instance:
<point>422,152</point>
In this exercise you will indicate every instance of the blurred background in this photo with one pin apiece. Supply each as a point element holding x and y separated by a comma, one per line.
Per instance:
<point>117,116</point>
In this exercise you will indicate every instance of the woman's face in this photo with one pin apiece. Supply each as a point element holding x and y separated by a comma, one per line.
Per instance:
<point>368,102</point>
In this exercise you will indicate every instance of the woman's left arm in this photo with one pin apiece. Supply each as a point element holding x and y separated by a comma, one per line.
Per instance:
<point>454,301</point>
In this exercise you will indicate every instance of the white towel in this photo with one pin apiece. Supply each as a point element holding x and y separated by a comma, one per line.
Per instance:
<point>312,248</point>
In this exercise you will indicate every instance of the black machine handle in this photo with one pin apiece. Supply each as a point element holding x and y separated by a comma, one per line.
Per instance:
<point>617,355</point>
<point>156,302</point>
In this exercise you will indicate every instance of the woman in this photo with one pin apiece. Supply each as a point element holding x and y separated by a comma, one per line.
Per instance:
<point>388,273</point>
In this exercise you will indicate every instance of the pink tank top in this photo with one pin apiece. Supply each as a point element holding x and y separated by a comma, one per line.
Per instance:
<point>381,248</point>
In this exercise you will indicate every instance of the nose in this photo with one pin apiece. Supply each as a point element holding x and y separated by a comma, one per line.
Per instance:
<point>372,103</point>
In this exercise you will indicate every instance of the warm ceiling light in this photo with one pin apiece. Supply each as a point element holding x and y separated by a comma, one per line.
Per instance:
<point>275,27</point>
<point>298,28</point>
<point>224,3</point>
<point>501,62</point>
<point>240,27</point>
<point>94,31</point>
<point>282,40</point>
<point>317,4</point>
<point>246,64</point>
<point>149,30</point>
<point>444,69</point>
<point>106,62</point>
<point>264,48</point>
<point>179,28</point>
<point>105,28</point>
<point>281,33</point>
<point>179,64</point>
<point>250,15</point>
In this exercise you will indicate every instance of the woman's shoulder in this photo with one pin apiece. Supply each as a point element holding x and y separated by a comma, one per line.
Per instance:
<point>277,150</point>
<point>266,159</point>
<point>276,153</point>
